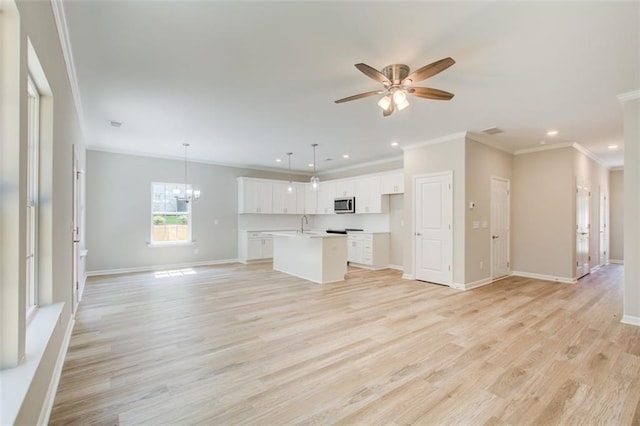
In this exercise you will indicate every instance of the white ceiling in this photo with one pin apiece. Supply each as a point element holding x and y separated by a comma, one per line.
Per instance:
<point>246,82</point>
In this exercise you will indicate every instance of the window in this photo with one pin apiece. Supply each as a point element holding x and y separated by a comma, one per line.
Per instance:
<point>170,216</point>
<point>33,167</point>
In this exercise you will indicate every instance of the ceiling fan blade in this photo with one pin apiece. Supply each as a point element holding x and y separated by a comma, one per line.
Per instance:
<point>359,96</point>
<point>428,71</point>
<point>429,93</point>
<point>374,74</point>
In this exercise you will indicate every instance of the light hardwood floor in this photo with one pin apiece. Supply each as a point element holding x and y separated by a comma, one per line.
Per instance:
<point>241,344</point>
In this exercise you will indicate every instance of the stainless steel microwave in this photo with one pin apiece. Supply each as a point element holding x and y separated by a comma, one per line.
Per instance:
<point>344,205</point>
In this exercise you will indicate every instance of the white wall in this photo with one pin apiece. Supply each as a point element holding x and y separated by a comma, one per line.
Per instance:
<point>482,162</point>
<point>616,216</point>
<point>119,211</point>
<point>632,209</point>
<point>36,22</point>
<point>445,155</point>
<point>542,219</point>
<point>396,230</point>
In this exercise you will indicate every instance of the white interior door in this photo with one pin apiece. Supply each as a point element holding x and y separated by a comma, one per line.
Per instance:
<point>582,229</point>
<point>433,198</point>
<point>499,227</point>
<point>604,235</point>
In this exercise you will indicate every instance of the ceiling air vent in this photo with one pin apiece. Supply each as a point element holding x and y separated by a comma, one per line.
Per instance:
<point>492,131</point>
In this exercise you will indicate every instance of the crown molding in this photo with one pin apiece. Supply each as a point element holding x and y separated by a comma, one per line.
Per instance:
<point>65,44</point>
<point>485,140</point>
<point>629,96</point>
<point>543,148</point>
<point>616,169</point>
<point>361,165</point>
<point>574,145</point>
<point>442,139</point>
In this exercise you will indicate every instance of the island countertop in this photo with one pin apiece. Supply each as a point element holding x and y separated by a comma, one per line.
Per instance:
<point>306,234</point>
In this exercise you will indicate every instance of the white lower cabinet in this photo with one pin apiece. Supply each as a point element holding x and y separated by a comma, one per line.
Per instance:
<point>254,246</point>
<point>369,250</point>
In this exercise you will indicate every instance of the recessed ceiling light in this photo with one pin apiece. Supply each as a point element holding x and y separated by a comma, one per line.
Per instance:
<point>613,147</point>
<point>115,123</point>
<point>310,164</point>
<point>394,143</point>
<point>552,132</point>
<point>345,155</point>
<point>278,160</point>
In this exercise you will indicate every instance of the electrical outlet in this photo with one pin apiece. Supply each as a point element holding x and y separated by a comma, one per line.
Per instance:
<point>481,264</point>
<point>196,251</point>
<point>215,221</point>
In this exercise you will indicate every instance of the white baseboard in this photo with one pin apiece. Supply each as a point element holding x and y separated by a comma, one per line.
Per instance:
<point>408,277</point>
<point>628,319</point>
<point>160,267</point>
<point>49,399</point>
<point>565,280</point>
<point>478,283</point>
<point>617,261</point>
<point>396,267</point>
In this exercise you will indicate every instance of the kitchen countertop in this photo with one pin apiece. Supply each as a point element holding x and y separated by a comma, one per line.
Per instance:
<point>306,234</point>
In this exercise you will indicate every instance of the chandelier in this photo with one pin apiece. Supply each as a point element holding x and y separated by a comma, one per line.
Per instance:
<point>186,194</point>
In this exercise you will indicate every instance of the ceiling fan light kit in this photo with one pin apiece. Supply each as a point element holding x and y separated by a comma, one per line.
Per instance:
<point>397,82</point>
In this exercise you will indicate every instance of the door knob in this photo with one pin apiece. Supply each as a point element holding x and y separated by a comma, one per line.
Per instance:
<point>493,237</point>
<point>418,234</point>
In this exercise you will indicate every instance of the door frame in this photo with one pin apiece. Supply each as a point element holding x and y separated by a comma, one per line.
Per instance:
<point>491,226</point>
<point>414,212</point>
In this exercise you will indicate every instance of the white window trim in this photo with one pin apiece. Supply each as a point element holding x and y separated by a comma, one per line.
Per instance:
<point>33,171</point>
<point>159,244</point>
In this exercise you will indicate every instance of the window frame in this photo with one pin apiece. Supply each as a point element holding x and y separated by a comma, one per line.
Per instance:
<point>171,243</point>
<point>33,177</point>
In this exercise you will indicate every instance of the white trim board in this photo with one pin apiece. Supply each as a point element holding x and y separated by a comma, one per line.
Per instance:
<point>543,277</point>
<point>160,267</point>
<point>448,138</point>
<point>63,33</point>
<point>616,261</point>
<point>19,379</point>
<point>629,96</point>
<point>631,320</point>
<point>49,399</point>
<point>396,267</point>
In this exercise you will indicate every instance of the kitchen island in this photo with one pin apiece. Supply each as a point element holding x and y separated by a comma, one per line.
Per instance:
<point>314,256</point>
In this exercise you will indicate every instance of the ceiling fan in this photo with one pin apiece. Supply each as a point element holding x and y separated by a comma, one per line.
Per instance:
<point>397,84</point>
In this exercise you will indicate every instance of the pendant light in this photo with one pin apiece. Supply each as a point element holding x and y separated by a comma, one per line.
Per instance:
<point>315,181</point>
<point>188,193</point>
<point>290,186</point>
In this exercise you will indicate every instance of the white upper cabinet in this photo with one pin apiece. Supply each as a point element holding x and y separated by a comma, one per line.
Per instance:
<point>301,195</point>
<point>285,202</point>
<point>392,183</point>
<point>368,196</point>
<point>326,197</point>
<point>271,196</point>
<point>345,188</point>
<point>255,196</point>
<point>310,200</point>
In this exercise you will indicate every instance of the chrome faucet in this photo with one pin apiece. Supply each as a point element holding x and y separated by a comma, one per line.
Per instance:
<point>303,219</point>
